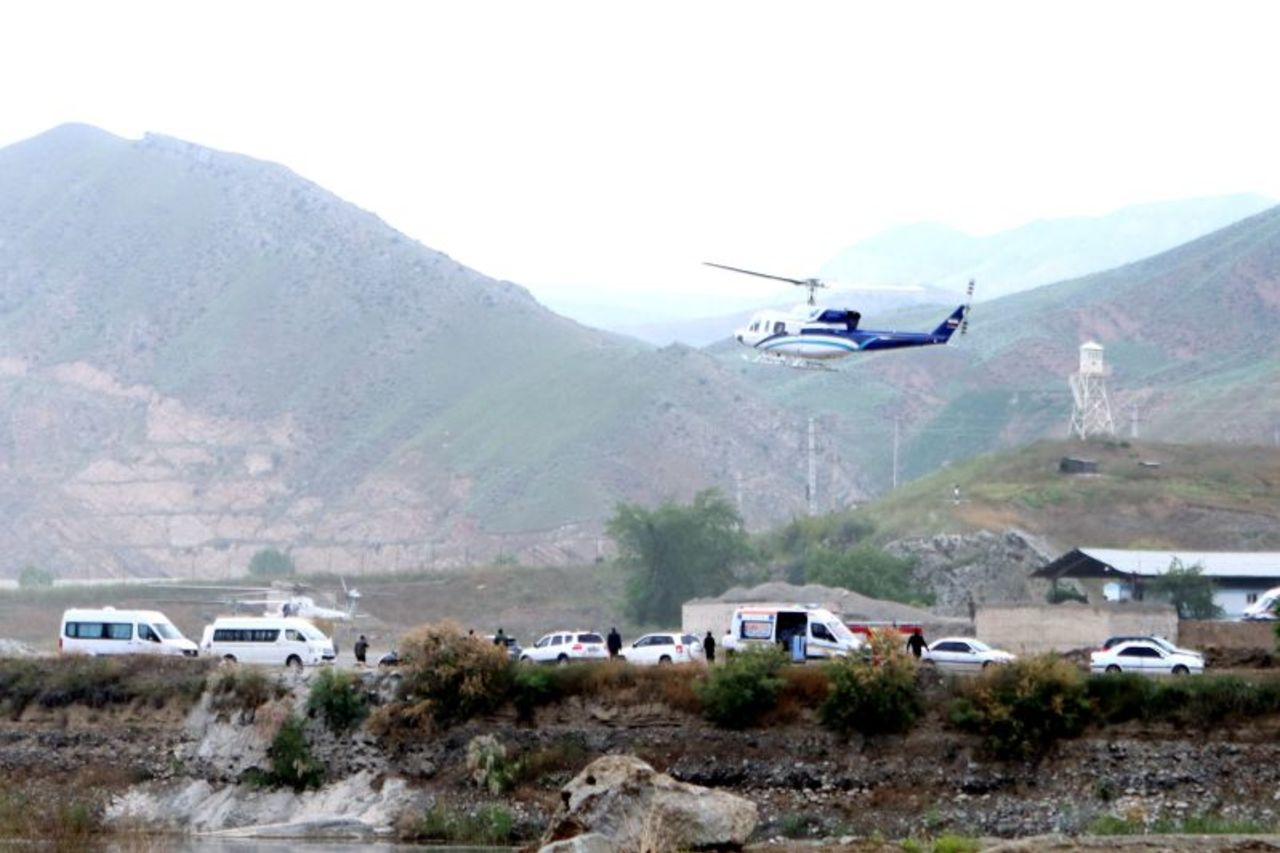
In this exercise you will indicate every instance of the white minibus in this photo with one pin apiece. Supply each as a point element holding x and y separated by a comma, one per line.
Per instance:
<point>820,632</point>
<point>107,631</point>
<point>274,640</point>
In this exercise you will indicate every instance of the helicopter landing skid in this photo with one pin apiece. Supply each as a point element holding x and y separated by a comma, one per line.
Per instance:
<point>788,361</point>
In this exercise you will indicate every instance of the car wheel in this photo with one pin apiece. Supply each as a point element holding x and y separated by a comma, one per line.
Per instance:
<point>665,659</point>
<point>526,659</point>
<point>294,663</point>
<point>987,664</point>
<point>1112,668</point>
<point>1181,670</point>
<point>228,658</point>
<point>562,660</point>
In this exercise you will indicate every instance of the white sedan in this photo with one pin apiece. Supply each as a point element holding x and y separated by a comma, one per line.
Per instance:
<point>663,649</point>
<point>963,654</point>
<point>1146,657</point>
<point>566,646</point>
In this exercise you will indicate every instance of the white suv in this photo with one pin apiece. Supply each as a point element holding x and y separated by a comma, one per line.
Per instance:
<point>565,646</point>
<point>663,649</point>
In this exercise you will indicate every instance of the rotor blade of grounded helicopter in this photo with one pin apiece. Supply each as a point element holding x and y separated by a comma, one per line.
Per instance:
<point>800,281</point>
<point>873,288</point>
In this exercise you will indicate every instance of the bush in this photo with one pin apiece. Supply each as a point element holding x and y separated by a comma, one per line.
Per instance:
<point>739,693</point>
<point>339,699</point>
<point>292,764</point>
<point>876,696</point>
<point>487,825</point>
<point>449,677</point>
<point>1121,696</point>
<point>1023,708</point>
<point>488,765</point>
<point>1212,701</point>
<point>243,688</point>
<point>34,577</point>
<point>269,564</point>
<point>97,682</point>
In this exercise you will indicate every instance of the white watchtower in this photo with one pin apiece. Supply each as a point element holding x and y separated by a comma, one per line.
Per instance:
<point>1091,414</point>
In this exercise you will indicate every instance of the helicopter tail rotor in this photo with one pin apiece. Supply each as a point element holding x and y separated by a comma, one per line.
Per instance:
<point>968,306</point>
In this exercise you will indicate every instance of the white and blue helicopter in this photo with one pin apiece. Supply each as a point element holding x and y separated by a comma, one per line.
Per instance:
<point>811,334</point>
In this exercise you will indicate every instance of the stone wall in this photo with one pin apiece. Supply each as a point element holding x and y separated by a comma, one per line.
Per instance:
<point>1030,629</point>
<point>1218,634</point>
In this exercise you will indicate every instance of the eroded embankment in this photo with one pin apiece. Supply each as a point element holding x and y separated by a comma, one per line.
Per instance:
<point>211,763</point>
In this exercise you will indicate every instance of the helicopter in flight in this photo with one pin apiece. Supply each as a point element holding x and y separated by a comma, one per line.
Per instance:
<point>811,334</point>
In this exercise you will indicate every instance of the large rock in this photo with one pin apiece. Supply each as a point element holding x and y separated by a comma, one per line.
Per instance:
<point>638,808</point>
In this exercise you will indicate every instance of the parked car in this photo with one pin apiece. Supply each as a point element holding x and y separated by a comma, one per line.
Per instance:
<point>963,654</point>
<point>1145,657</point>
<point>566,646</point>
<point>663,649</point>
<point>1111,642</point>
<point>1264,609</point>
<point>273,640</point>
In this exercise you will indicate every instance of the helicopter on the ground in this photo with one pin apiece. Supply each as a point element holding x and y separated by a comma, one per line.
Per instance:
<point>285,599</point>
<point>811,334</point>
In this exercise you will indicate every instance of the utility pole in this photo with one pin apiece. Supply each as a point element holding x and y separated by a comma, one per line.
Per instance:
<point>811,487</point>
<point>897,423</point>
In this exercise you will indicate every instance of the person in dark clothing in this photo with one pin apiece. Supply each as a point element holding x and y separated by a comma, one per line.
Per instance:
<point>916,643</point>
<point>361,649</point>
<point>709,647</point>
<point>614,642</point>
<point>499,639</point>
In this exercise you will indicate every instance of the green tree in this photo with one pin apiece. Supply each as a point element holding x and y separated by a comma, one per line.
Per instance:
<point>34,577</point>
<point>676,552</point>
<point>868,570</point>
<point>1188,590</point>
<point>270,563</point>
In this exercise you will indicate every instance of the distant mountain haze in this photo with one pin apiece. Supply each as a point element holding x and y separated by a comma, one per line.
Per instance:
<point>1038,253</point>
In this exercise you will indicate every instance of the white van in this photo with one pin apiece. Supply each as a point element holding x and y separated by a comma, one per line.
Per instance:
<point>107,631</point>
<point>825,636</point>
<point>1264,609</point>
<point>274,640</point>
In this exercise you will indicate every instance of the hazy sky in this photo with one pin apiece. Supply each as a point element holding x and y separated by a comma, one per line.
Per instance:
<point>601,150</point>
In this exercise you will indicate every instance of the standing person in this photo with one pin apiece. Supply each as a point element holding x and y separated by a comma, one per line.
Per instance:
<point>499,639</point>
<point>361,649</point>
<point>709,647</point>
<point>614,642</point>
<point>916,643</point>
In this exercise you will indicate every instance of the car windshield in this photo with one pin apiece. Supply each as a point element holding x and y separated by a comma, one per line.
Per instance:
<point>165,630</point>
<point>590,638</point>
<point>978,645</point>
<point>312,633</point>
<point>840,631</point>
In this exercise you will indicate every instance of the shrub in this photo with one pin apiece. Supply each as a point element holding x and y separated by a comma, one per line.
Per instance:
<point>269,564</point>
<point>488,765</point>
<point>737,694</point>
<point>97,682</point>
<point>243,688</point>
<point>1023,708</point>
<point>339,699</point>
<point>1121,696</point>
<point>487,825</point>
<point>34,577</point>
<point>449,676</point>
<point>531,688</point>
<point>876,696</point>
<point>291,761</point>
<point>1213,700</point>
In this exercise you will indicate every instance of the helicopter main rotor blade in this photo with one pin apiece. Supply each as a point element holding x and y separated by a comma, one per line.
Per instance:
<point>812,282</point>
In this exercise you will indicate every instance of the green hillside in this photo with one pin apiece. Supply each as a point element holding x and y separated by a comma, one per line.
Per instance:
<point>1145,495</point>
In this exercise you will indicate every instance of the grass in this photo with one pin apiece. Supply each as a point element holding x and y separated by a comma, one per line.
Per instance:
<point>126,680</point>
<point>486,825</point>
